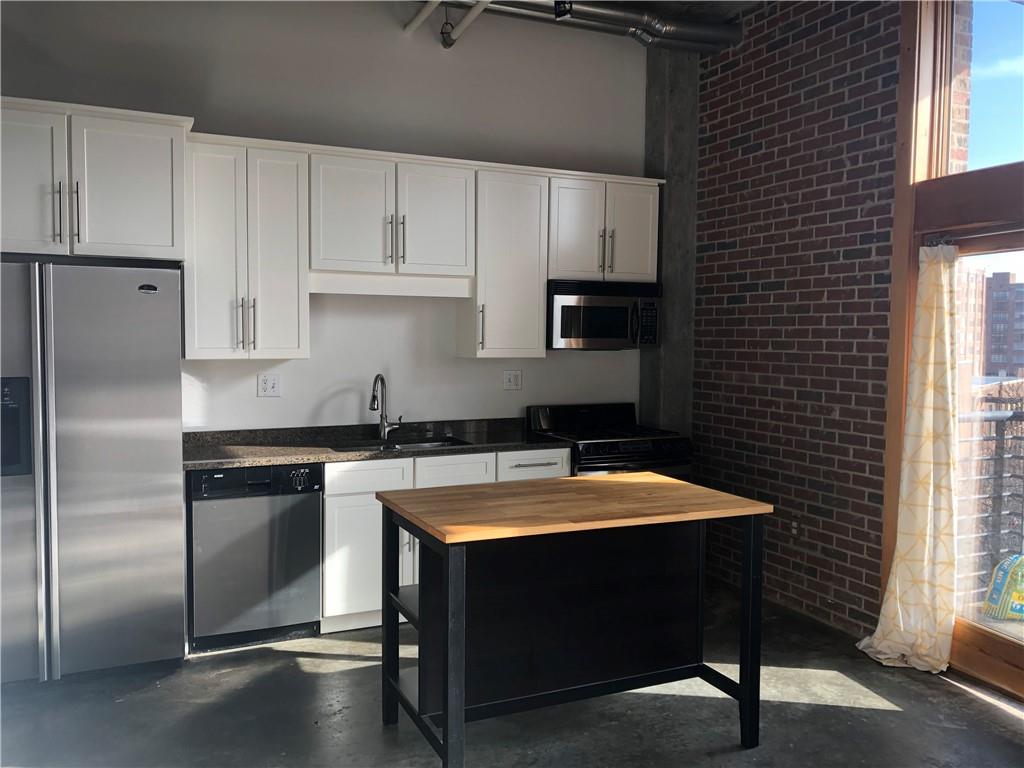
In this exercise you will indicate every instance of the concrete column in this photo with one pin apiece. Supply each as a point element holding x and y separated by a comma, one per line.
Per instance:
<point>670,141</point>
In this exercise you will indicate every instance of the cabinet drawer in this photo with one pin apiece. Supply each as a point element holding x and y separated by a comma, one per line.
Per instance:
<point>533,465</point>
<point>463,469</point>
<point>367,476</point>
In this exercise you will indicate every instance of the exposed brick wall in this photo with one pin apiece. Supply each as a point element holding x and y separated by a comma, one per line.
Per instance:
<point>795,189</point>
<point>960,90</point>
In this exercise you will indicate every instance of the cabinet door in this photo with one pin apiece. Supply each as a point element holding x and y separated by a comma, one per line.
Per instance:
<point>577,229</point>
<point>512,246</point>
<point>278,214</point>
<point>352,552</point>
<point>632,225</point>
<point>460,469</point>
<point>128,188</point>
<point>215,252</point>
<point>353,212</point>
<point>436,220</point>
<point>34,194</point>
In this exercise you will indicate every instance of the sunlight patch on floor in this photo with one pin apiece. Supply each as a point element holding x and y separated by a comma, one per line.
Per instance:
<point>792,685</point>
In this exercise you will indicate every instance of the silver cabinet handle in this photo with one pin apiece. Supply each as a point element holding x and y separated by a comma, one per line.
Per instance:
<point>241,323</point>
<point>533,464</point>
<point>601,250</point>
<point>611,250</point>
<point>252,338</point>
<point>481,312</point>
<point>78,214</point>
<point>389,239</point>
<point>404,230</point>
<point>60,211</point>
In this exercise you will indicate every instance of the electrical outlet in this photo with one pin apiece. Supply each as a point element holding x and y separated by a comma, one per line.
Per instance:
<point>512,379</point>
<point>268,385</point>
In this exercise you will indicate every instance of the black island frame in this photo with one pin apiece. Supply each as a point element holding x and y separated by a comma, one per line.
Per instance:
<point>520,623</point>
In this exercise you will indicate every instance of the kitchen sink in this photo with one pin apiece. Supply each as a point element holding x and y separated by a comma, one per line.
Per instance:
<point>400,446</point>
<point>427,445</point>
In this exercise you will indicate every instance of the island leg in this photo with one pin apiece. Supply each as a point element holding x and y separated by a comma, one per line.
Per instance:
<point>389,650</point>
<point>750,632</point>
<point>455,657</point>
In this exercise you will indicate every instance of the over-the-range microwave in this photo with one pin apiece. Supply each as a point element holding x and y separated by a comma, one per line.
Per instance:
<point>602,315</point>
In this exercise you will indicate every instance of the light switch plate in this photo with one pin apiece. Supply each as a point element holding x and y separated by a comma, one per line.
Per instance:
<point>512,379</point>
<point>268,385</point>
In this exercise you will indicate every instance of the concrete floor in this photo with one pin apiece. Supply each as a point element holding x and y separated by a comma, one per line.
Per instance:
<point>317,702</point>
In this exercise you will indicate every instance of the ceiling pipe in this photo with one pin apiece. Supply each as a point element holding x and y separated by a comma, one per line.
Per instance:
<point>425,10</point>
<point>713,37</point>
<point>616,13</point>
<point>448,38</point>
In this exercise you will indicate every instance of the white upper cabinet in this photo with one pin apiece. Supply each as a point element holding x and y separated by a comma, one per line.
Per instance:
<point>512,243</point>
<point>216,267</point>
<point>603,231</point>
<point>247,260</point>
<point>577,229</point>
<point>631,221</point>
<point>352,214</point>
<point>436,219</point>
<point>33,198</point>
<point>278,245</point>
<point>127,188</point>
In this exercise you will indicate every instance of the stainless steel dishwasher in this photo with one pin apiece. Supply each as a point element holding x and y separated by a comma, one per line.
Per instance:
<point>254,565</point>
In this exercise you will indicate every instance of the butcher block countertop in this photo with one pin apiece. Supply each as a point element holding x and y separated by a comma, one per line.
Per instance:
<point>465,513</point>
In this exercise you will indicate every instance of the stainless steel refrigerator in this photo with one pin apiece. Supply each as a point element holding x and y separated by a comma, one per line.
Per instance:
<point>92,533</point>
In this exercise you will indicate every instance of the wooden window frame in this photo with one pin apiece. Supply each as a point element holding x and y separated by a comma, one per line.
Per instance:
<point>981,212</point>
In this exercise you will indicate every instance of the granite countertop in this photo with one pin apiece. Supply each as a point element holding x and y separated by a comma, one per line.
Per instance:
<point>359,442</point>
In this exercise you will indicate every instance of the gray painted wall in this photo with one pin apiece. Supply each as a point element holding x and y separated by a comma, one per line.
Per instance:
<point>343,74</point>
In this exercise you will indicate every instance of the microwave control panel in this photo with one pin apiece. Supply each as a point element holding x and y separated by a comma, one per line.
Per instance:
<point>648,322</point>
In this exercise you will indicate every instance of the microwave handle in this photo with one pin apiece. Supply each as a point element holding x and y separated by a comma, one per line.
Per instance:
<point>634,323</point>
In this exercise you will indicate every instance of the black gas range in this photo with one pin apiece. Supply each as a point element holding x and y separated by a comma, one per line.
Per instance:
<point>607,438</point>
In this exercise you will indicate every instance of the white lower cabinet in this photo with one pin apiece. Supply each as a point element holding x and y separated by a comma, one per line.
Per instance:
<point>459,469</point>
<point>352,567</point>
<point>352,540</point>
<point>533,465</point>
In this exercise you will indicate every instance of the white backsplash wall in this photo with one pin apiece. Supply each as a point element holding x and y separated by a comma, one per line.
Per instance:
<point>412,342</point>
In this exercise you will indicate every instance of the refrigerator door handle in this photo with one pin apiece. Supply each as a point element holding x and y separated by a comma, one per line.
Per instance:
<point>51,470</point>
<point>40,458</point>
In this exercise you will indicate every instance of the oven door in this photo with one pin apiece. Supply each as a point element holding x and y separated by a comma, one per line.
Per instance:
<point>594,322</point>
<point>677,468</point>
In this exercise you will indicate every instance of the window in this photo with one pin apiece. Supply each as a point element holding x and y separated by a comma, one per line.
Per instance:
<point>986,100</point>
<point>990,464</point>
<point>960,176</point>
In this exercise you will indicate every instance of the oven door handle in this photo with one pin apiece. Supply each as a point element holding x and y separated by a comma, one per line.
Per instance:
<point>632,466</point>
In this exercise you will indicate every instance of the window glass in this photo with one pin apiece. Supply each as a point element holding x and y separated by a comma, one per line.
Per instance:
<point>986,124</point>
<point>990,439</point>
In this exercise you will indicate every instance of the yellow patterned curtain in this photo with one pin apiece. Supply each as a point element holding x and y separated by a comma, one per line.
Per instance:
<point>915,627</point>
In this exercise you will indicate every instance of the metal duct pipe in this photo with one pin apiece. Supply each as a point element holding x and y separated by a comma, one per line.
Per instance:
<point>722,34</point>
<point>706,38</point>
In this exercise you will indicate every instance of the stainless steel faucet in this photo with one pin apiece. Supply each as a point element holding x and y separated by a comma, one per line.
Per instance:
<point>380,385</point>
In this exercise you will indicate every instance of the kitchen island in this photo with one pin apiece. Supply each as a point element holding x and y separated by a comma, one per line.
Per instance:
<point>541,592</point>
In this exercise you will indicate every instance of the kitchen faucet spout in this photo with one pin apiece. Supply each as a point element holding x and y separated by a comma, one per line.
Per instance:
<point>379,401</point>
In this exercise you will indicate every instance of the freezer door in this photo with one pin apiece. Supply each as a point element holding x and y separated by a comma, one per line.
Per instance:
<point>22,498</point>
<point>117,517</point>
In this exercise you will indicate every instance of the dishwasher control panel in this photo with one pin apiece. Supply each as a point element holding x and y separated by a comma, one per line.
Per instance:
<point>256,481</point>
